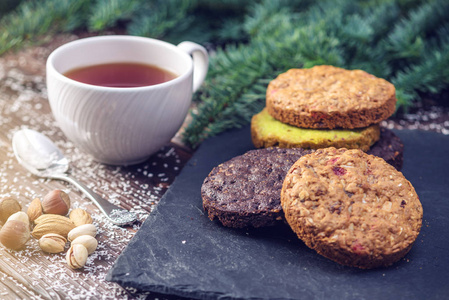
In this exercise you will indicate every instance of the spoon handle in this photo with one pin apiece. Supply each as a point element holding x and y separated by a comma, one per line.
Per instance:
<point>115,214</point>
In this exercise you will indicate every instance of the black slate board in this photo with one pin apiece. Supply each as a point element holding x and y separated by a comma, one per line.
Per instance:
<point>179,251</point>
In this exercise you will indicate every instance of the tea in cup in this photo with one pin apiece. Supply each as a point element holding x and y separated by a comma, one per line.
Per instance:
<point>121,98</point>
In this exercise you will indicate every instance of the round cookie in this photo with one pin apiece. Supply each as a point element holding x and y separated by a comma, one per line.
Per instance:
<point>269,132</point>
<point>389,147</point>
<point>351,207</point>
<point>266,131</point>
<point>330,97</point>
<point>245,190</point>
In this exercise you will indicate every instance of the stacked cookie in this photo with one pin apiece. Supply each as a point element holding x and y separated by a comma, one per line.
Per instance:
<point>352,207</point>
<point>326,106</point>
<point>349,206</point>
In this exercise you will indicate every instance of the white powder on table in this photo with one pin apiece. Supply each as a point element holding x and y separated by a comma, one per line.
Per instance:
<point>23,104</point>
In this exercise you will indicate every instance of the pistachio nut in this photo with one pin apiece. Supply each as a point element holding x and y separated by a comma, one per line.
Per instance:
<point>87,241</point>
<point>76,257</point>
<point>86,229</point>
<point>52,243</point>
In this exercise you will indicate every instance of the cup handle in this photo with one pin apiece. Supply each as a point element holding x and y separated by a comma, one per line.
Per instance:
<point>200,61</point>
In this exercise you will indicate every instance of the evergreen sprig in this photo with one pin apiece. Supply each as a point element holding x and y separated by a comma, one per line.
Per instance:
<point>32,19</point>
<point>107,13</point>
<point>341,33</point>
<point>403,41</point>
<point>156,19</point>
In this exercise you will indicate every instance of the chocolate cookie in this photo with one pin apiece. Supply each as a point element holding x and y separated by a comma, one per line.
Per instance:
<point>351,207</point>
<point>266,131</point>
<point>389,147</point>
<point>245,191</point>
<point>330,97</point>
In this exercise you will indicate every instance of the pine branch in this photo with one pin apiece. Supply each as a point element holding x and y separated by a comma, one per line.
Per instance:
<point>157,18</point>
<point>32,19</point>
<point>229,99</point>
<point>406,43</point>
<point>222,92</point>
<point>343,34</point>
<point>430,76</point>
<point>106,13</point>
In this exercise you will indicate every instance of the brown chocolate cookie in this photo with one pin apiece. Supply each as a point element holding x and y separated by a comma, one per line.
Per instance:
<point>351,207</point>
<point>245,191</point>
<point>330,97</point>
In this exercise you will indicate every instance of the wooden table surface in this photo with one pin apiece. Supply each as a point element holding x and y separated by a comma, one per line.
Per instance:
<point>31,273</point>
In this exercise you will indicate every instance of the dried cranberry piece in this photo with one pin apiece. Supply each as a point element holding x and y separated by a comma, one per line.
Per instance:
<point>357,247</point>
<point>339,171</point>
<point>332,160</point>
<point>318,115</point>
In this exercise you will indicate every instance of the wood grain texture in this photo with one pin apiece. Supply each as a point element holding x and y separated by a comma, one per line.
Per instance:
<point>31,273</point>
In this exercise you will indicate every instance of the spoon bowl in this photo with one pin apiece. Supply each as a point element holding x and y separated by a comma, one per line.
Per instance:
<point>38,154</point>
<point>41,157</point>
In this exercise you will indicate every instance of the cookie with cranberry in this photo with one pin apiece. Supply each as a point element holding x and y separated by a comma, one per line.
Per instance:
<point>245,190</point>
<point>266,131</point>
<point>330,97</point>
<point>351,207</point>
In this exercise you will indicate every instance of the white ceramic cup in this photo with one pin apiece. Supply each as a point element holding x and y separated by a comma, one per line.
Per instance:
<point>123,126</point>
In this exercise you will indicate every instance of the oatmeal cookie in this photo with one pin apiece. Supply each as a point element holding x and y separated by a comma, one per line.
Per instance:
<point>245,190</point>
<point>266,131</point>
<point>330,97</point>
<point>351,207</point>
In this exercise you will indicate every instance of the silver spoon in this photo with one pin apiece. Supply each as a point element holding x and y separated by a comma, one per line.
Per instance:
<point>41,157</point>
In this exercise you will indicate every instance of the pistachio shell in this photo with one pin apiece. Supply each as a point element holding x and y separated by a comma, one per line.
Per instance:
<point>76,257</point>
<point>87,241</point>
<point>86,229</point>
<point>52,243</point>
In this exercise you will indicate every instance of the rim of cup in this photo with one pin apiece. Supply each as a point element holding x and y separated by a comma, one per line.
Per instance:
<point>51,68</point>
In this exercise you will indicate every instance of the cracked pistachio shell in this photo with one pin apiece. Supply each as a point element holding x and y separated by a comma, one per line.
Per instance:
<point>76,256</point>
<point>52,243</point>
<point>87,241</point>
